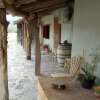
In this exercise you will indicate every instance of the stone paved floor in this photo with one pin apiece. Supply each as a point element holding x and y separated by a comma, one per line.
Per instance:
<point>21,79</point>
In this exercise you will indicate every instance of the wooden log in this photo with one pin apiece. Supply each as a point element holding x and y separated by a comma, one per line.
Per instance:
<point>3,56</point>
<point>34,30</point>
<point>28,45</point>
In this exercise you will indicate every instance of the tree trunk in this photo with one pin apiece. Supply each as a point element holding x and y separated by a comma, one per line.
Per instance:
<point>34,30</point>
<point>3,56</point>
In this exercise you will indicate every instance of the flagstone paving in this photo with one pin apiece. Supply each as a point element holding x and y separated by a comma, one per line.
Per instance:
<point>22,81</point>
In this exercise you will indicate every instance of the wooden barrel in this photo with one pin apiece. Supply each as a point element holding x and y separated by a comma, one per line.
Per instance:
<point>63,52</point>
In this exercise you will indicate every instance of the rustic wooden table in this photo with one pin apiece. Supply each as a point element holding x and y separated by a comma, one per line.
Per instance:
<point>73,90</point>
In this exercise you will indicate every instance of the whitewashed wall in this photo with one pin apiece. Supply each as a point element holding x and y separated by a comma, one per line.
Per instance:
<point>49,20</point>
<point>86,27</point>
<point>66,29</point>
<point>66,32</point>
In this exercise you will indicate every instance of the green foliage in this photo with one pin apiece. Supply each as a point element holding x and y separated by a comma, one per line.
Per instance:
<point>89,68</point>
<point>88,71</point>
<point>46,46</point>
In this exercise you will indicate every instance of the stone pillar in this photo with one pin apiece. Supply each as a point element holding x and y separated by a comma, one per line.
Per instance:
<point>35,31</point>
<point>3,57</point>
<point>28,44</point>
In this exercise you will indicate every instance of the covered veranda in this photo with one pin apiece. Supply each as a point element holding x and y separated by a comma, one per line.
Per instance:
<point>85,33</point>
<point>30,10</point>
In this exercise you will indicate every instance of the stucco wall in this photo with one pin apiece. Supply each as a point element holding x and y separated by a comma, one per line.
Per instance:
<point>49,20</point>
<point>66,32</point>
<point>86,27</point>
<point>66,29</point>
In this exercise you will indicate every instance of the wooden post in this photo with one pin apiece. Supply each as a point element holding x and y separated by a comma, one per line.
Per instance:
<point>21,31</point>
<point>34,30</point>
<point>19,34</point>
<point>3,57</point>
<point>24,37</point>
<point>37,52</point>
<point>22,34</point>
<point>28,44</point>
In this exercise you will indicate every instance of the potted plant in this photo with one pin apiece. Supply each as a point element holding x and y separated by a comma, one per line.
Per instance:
<point>46,48</point>
<point>42,47</point>
<point>97,91</point>
<point>87,78</point>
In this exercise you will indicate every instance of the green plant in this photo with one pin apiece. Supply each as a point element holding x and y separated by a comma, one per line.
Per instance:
<point>87,71</point>
<point>87,78</point>
<point>89,68</point>
<point>46,46</point>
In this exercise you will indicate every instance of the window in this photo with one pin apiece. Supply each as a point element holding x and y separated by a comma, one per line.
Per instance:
<point>46,30</point>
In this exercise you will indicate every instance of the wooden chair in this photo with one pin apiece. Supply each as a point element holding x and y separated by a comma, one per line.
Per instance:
<point>71,66</point>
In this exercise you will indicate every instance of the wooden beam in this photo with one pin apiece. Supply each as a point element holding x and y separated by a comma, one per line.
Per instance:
<point>44,13</point>
<point>33,29</point>
<point>10,1</point>
<point>52,8</point>
<point>21,2</point>
<point>3,57</point>
<point>43,5</point>
<point>49,10</point>
<point>1,4</point>
<point>13,11</point>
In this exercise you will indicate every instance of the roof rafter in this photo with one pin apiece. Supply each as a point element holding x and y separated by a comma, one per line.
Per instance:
<point>20,2</point>
<point>12,10</point>
<point>43,5</point>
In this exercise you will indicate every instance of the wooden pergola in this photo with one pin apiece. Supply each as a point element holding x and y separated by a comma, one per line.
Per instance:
<point>30,10</point>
